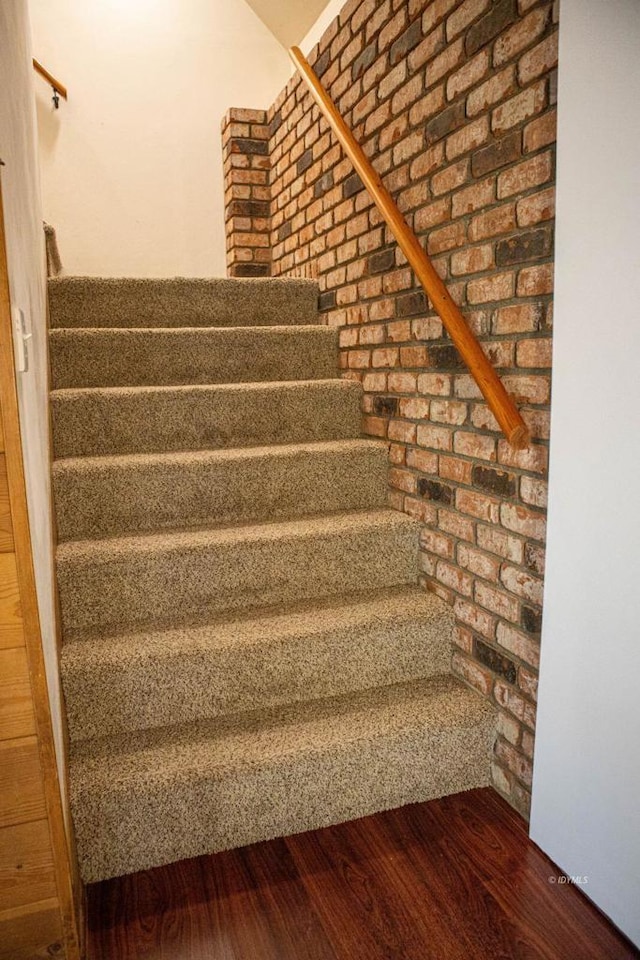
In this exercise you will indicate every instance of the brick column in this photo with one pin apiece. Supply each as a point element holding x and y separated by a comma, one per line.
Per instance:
<point>245,151</point>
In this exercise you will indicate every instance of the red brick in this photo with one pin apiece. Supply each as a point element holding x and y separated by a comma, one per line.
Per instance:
<point>482,564</point>
<point>457,524</point>
<point>528,389</point>
<point>451,177</point>
<point>397,454</point>
<point>422,460</point>
<point>439,66</point>
<point>451,468</point>
<point>542,59</point>
<point>537,208</point>
<point>478,505</point>
<point>426,51</point>
<point>414,408</point>
<point>402,382</point>
<point>498,286</point>
<point>402,431</point>
<point>476,676</point>
<point>454,578</point>
<point>399,330</point>
<point>448,411</point>
<point>473,198</point>
<point>525,32</point>
<point>534,353</point>
<point>402,479</point>
<point>472,260</point>
<point>424,512</point>
<point>433,213</point>
<point>468,75</point>
<point>534,281</point>
<point>465,14</point>
<point>541,132</point>
<point>374,426</point>
<point>471,136</point>
<point>494,90</point>
<point>476,617</point>
<point>533,491</point>
<point>524,521</point>
<point>519,108</point>
<point>531,173</point>
<point>497,601</point>
<point>436,384</point>
<point>446,238</point>
<point>534,458</point>
<point>438,438</point>
<point>426,328</point>
<point>427,106</point>
<point>437,543</point>
<point>375,382</point>
<point>435,11</point>
<point>413,356</point>
<point>514,761</point>
<point>493,223</point>
<point>385,357</point>
<point>522,584</point>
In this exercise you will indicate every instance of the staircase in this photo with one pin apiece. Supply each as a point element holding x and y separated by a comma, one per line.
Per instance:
<point>246,651</point>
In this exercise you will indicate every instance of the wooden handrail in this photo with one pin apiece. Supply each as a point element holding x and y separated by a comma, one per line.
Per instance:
<point>499,401</point>
<point>57,86</point>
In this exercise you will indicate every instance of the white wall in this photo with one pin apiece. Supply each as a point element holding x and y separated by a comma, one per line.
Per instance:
<point>26,263</point>
<point>330,12</point>
<point>131,164</point>
<point>586,789</point>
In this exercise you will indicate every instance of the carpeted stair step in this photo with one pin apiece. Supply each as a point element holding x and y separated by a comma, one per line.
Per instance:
<point>108,496</point>
<point>113,420</point>
<point>269,658</point>
<point>152,797</point>
<point>180,302</point>
<point>186,355</point>
<point>187,576</point>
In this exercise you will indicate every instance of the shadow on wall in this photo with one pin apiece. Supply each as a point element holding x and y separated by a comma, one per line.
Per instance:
<point>48,125</point>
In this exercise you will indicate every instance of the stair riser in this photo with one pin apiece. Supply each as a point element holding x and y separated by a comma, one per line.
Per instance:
<point>120,358</point>
<point>180,302</point>
<point>97,499</point>
<point>147,826</point>
<point>205,682</point>
<point>98,422</point>
<point>121,587</point>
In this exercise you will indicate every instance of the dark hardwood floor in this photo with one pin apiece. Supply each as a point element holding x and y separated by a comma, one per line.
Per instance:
<point>454,879</point>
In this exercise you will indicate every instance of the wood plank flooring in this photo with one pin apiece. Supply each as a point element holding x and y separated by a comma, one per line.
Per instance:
<point>454,879</point>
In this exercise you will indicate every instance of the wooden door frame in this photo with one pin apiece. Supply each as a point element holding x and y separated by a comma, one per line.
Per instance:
<point>69,886</point>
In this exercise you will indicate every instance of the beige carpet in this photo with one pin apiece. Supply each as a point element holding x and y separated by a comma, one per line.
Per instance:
<point>246,650</point>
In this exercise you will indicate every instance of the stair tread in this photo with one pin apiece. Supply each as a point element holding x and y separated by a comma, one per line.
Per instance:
<point>134,301</point>
<point>320,330</point>
<point>209,537</point>
<point>121,356</point>
<point>136,679</point>
<point>252,627</point>
<point>112,420</point>
<point>161,458</point>
<point>221,746</point>
<point>337,383</point>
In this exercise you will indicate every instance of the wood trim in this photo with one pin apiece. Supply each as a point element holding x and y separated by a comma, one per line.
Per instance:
<point>21,786</point>
<point>500,403</point>
<point>31,932</point>
<point>63,865</point>
<point>57,86</point>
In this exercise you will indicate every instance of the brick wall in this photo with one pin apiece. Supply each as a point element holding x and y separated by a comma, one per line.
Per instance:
<point>245,155</point>
<point>453,100</point>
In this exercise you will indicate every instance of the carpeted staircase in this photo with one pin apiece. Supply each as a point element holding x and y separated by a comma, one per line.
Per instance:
<point>246,651</point>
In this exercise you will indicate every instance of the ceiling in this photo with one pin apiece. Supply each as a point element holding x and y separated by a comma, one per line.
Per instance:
<point>288,20</point>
